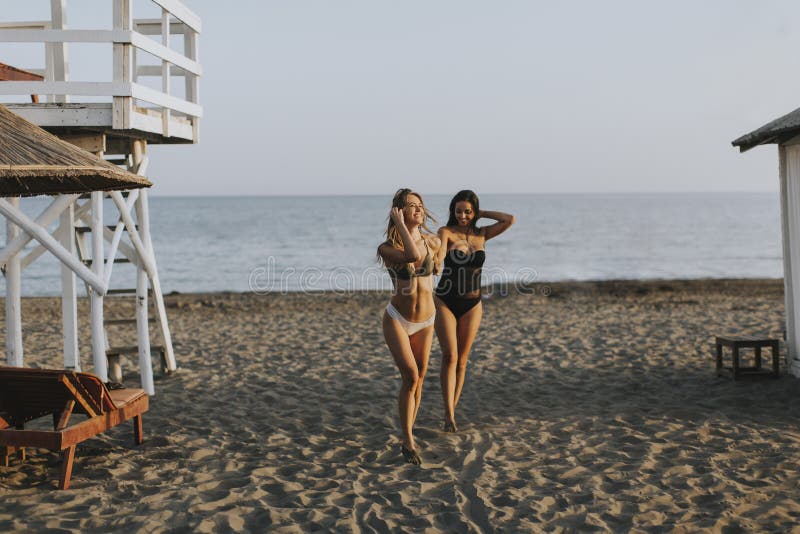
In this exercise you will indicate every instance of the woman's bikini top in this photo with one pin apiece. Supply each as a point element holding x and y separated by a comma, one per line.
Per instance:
<point>407,271</point>
<point>461,275</point>
<point>472,260</point>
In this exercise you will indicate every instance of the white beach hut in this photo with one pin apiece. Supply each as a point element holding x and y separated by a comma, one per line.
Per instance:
<point>785,132</point>
<point>114,119</point>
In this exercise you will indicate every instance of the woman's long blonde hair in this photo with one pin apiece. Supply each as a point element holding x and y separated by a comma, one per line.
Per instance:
<point>399,201</point>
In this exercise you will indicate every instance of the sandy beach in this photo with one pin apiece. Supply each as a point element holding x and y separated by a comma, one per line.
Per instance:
<point>593,407</point>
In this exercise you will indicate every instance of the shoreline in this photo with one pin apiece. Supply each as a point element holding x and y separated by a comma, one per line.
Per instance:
<point>597,286</point>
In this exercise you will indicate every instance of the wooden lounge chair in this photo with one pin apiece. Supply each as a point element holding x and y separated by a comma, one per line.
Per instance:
<point>28,394</point>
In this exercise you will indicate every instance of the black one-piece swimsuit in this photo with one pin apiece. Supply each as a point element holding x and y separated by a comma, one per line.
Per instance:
<point>460,285</point>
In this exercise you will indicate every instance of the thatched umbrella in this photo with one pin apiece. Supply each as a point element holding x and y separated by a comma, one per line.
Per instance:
<point>35,162</point>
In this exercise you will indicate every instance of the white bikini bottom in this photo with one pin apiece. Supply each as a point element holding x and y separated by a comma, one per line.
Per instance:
<point>408,326</point>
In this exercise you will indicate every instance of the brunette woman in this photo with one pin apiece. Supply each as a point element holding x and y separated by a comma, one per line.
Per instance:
<point>458,294</point>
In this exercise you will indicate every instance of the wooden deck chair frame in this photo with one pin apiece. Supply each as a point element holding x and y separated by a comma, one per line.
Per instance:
<point>28,394</point>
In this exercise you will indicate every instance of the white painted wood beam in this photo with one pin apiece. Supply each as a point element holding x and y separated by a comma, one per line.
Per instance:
<point>153,26</point>
<point>58,16</point>
<point>134,90</point>
<point>94,114</point>
<point>69,292</point>
<point>133,234</point>
<point>155,71</point>
<point>161,310</point>
<point>123,52</point>
<point>34,254</point>
<point>181,12</point>
<point>789,169</point>
<point>140,161</point>
<point>38,250</point>
<point>162,52</point>
<point>115,240</point>
<point>14,355</point>
<point>165,81</point>
<point>117,36</point>
<point>56,36</point>
<point>73,88</point>
<point>40,234</point>
<point>96,297</point>
<point>82,209</point>
<point>191,49</point>
<point>141,167</point>
<point>45,219</point>
<point>150,123</point>
<point>126,250</point>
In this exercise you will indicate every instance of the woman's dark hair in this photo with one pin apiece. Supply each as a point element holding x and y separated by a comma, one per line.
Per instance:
<point>465,195</point>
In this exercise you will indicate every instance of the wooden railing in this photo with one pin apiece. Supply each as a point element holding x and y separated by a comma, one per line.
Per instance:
<point>127,37</point>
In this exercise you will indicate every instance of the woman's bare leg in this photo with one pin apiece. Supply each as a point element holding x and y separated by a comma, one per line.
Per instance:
<point>465,333</point>
<point>400,347</point>
<point>445,326</point>
<point>421,348</point>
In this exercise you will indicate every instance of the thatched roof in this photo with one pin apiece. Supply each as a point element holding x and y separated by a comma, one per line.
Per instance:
<point>778,131</point>
<point>34,162</point>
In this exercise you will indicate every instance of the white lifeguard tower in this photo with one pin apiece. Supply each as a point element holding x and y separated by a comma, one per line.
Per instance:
<point>115,119</point>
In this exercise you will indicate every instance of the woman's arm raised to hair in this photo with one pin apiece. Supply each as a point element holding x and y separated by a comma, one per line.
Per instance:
<point>410,253</point>
<point>504,222</point>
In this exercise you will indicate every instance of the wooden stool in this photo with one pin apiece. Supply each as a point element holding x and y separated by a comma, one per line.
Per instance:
<point>742,342</point>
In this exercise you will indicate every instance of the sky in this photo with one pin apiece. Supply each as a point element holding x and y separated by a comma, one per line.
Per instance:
<point>349,97</point>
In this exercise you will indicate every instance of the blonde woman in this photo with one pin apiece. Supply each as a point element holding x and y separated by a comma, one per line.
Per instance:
<point>408,254</point>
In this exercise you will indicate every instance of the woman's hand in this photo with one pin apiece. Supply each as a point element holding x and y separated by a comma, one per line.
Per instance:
<point>397,216</point>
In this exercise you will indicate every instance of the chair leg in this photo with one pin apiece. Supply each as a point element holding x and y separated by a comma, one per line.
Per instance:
<point>719,357</point>
<point>5,455</point>
<point>5,452</point>
<point>776,370</point>
<point>138,436</point>
<point>67,456</point>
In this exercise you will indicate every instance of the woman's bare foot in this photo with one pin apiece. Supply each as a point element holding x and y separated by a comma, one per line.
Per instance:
<point>449,426</point>
<point>410,455</point>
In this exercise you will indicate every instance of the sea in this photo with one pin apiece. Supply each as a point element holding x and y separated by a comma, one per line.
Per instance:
<point>307,243</point>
